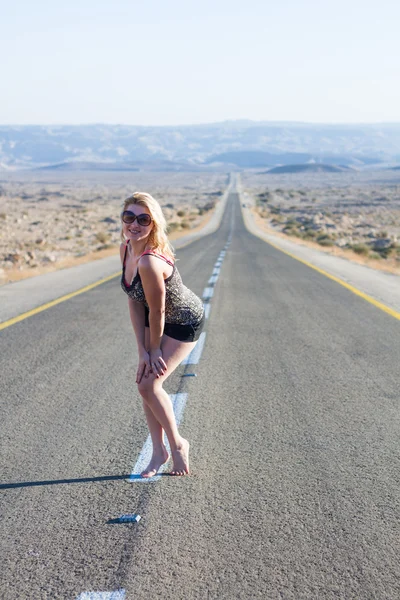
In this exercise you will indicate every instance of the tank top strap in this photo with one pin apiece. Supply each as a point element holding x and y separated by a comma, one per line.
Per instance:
<point>158,256</point>
<point>126,250</point>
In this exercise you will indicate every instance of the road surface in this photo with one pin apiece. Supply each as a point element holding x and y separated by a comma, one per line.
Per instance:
<point>293,418</point>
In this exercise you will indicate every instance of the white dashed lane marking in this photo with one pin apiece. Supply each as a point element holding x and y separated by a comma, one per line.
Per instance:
<point>178,402</point>
<point>195,354</point>
<point>208,293</point>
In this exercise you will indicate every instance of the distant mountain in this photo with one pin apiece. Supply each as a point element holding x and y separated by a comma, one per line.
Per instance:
<point>89,166</point>
<point>150,165</point>
<point>244,144</point>
<point>254,159</point>
<point>310,168</point>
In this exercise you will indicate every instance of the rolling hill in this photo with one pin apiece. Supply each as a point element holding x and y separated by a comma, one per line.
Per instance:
<point>308,168</point>
<point>243,144</point>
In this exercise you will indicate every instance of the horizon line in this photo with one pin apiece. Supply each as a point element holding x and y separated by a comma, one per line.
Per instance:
<point>205,123</point>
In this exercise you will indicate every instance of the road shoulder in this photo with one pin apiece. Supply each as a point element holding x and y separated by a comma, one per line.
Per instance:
<point>23,296</point>
<point>382,287</point>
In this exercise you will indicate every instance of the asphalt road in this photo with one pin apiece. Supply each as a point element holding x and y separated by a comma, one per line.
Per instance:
<point>293,420</point>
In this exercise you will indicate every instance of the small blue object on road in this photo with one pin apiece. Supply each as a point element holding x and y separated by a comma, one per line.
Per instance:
<point>189,375</point>
<point>129,518</point>
<point>116,595</point>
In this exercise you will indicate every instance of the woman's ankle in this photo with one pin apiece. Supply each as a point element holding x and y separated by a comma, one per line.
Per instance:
<point>159,449</point>
<point>178,444</point>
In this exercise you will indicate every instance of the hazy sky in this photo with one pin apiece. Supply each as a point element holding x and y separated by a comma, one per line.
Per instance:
<point>162,62</point>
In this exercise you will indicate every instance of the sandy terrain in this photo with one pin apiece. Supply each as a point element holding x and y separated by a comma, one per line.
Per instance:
<point>46,224</point>
<point>354,215</point>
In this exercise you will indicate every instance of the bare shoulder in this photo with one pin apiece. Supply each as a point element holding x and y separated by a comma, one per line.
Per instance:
<point>151,264</point>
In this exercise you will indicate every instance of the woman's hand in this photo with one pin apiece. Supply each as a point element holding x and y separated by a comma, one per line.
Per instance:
<point>144,367</point>
<point>157,362</point>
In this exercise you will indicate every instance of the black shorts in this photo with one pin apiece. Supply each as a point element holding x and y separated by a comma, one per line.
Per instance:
<point>183,333</point>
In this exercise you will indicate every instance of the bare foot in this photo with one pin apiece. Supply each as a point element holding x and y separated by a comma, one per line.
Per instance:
<point>157,460</point>
<point>180,456</point>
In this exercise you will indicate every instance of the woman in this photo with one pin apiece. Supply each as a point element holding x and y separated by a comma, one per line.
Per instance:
<point>167,319</point>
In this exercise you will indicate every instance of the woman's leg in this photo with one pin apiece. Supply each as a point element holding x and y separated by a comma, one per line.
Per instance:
<point>159,411</point>
<point>160,453</point>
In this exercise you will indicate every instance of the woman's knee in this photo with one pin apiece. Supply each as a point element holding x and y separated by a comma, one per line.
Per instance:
<point>148,386</point>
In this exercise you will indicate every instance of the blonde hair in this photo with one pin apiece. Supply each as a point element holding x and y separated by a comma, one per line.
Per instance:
<point>158,239</point>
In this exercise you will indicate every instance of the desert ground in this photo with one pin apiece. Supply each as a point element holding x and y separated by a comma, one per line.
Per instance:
<point>355,215</point>
<point>54,220</point>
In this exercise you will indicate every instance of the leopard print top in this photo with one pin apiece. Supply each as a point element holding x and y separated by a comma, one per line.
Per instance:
<point>182,306</point>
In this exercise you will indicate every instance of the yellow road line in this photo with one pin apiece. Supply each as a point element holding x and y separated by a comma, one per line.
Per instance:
<point>380,305</point>
<point>39,309</point>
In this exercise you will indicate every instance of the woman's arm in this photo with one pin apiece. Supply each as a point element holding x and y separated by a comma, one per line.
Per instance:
<point>152,276</point>
<point>136,312</point>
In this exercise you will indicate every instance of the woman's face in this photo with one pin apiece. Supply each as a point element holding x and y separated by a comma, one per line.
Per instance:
<point>134,231</point>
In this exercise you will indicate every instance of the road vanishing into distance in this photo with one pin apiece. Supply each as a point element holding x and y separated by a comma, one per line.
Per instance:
<point>293,416</point>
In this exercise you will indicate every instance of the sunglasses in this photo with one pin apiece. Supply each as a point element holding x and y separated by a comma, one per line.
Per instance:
<point>129,217</point>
